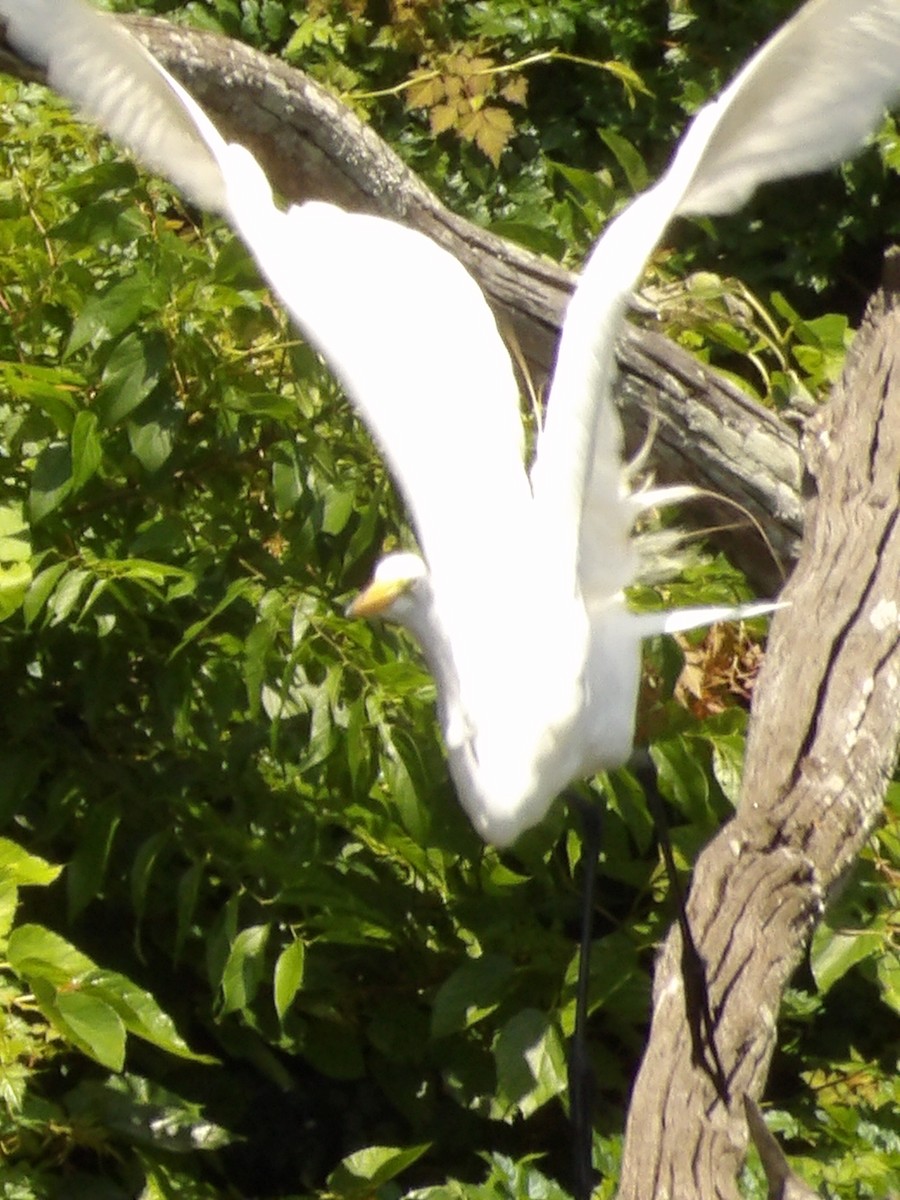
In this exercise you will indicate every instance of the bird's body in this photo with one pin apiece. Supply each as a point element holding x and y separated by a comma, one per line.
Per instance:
<point>520,610</point>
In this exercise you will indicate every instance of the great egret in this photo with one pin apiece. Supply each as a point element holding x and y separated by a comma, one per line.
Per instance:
<point>520,611</point>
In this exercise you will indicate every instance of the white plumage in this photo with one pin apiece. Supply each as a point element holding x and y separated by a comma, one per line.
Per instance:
<point>520,611</point>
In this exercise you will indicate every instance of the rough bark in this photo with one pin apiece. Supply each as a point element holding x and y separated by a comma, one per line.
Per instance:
<point>313,147</point>
<point>824,733</point>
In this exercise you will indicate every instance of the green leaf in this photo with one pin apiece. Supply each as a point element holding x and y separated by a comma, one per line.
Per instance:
<point>257,648</point>
<point>101,220</point>
<point>57,971</point>
<point>728,763</point>
<point>287,476</point>
<point>784,309</point>
<point>682,780</point>
<point>628,158</point>
<point>131,373</point>
<point>84,877</point>
<point>244,968</point>
<point>241,588</point>
<point>626,797</point>
<point>531,1064</point>
<point>361,1173</point>
<point>141,1014</point>
<point>152,442</point>
<point>51,481</point>
<point>142,867</point>
<point>16,863</point>
<point>86,449</point>
<point>14,550</point>
<point>834,952</point>
<point>323,737</point>
<point>38,954</point>
<point>50,389</point>
<point>9,902</point>
<point>41,588</point>
<point>588,183</point>
<point>113,310</point>
<point>67,594</point>
<point>888,972</point>
<point>471,993</point>
<point>12,522</point>
<point>187,893</point>
<point>289,975</point>
<point>87,1022</point>
<point>143,1113</point>
<point>339,505</point>
<point>14,583</point>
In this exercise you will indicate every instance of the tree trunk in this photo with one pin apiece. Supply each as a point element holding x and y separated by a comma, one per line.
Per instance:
<point>826,721</point>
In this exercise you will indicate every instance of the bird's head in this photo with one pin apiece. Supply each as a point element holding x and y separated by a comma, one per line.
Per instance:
<point>395,589</point>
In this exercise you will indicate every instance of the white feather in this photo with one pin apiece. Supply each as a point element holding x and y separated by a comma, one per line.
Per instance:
<point>94,62</point>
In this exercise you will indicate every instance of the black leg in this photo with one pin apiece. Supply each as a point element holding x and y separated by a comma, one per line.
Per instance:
<point>581,1076</point>
<point>704,1051</point>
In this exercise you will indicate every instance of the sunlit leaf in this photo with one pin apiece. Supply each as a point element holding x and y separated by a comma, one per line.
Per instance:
<point>289,975</point>
<point>113,310</point>
<point>245,968</point>
<point>834,952</point>
<point>531,1063</point>
<point>15,580</point>
<point>88,1022</point>
<point>365,1170</point>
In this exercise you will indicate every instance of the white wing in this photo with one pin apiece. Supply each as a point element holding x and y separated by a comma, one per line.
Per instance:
<point>411,337</point>
<point>577,475</point>
<point>803,102</point>
<point>807,100</point>
<point>93,61</point>
<point>398,319</point>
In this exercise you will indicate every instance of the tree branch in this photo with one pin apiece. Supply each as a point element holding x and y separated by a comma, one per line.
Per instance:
<point>823,740</point>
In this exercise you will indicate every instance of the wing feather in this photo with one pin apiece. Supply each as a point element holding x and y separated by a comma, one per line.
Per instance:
<point>803,102</point>
<point>94,61</point>
<point>807,100</point>
<point>411,337</point>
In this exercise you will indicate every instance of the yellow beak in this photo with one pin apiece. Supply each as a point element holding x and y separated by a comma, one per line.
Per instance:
<point>374,599</point>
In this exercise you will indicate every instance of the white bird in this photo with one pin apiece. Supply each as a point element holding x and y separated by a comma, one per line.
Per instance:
<point>520,610</point>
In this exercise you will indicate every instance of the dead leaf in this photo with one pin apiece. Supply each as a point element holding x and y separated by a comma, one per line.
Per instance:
<point>718,670</point>
<point>426,92</point>
<point>443,117</point>
<point>493,134</point>
<point>515,90</point>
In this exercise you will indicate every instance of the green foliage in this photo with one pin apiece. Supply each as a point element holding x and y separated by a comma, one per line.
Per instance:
<point>262,850</point>
<point>54,1001</point>
<point>769,350</point>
